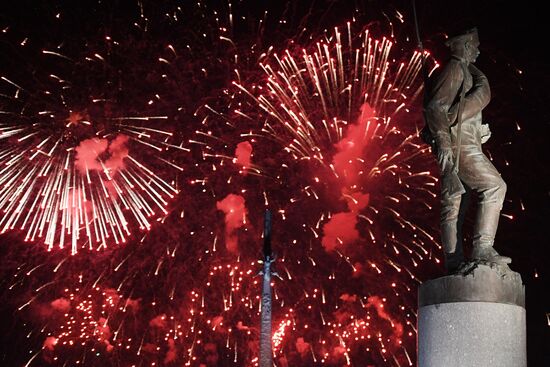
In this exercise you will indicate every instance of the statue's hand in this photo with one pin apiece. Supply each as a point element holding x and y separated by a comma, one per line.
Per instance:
<point>485,133</point>
<point>445,159</point>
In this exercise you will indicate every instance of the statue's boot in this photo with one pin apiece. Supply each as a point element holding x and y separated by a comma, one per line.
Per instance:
<point>489,254</point>
<point>453,261</point>
<point>485,228</point>
<point>452,219</point>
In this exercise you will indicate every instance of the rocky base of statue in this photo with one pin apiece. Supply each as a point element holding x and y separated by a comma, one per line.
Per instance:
<point>468,267</point>
<point>474,317</point>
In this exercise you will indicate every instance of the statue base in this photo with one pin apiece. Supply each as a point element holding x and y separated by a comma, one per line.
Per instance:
<point>473,318</point>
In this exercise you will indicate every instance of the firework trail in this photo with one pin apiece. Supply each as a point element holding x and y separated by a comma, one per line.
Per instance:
<point>72,153</point>
<point>338,157</point>
<point>108,138</point>
<point>323,133</point>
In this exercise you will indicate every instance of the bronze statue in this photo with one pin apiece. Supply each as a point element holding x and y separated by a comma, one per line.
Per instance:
<point>454,99</point>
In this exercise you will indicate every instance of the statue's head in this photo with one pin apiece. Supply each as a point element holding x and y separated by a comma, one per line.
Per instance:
<point>465,45</point>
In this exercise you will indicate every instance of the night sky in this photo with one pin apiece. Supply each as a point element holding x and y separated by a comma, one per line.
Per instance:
<point>158,114</point>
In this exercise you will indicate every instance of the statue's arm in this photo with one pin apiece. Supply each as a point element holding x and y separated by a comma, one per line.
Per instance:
<point>443,92</point>
<point>479,95</point>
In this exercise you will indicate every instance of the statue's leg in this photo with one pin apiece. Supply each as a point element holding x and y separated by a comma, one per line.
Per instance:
<point>481,176</point>
<point>464,203</point>
<point>450,209</point>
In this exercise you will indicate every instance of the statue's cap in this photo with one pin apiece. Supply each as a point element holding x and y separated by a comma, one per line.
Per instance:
<point>462,36</point>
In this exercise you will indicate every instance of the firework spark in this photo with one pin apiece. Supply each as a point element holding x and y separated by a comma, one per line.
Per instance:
<point>340,115</point>
<point>72,173</point>
<point>323,132</point>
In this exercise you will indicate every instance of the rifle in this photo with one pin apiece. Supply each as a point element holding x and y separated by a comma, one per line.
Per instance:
<point>451,184</point>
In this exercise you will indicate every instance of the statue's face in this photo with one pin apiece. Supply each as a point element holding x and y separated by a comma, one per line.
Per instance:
<point>466,47</point>
<point>471,50</point>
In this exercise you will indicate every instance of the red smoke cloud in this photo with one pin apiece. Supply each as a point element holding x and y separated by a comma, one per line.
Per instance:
<point>376,302</point>
<point>340,230</point>
<point>350,149</point>
<point>159,321</point>
<point>118,151</point>
<point>61,304</point>
<point>133,304</point>
<point>235,217</point>
<point>359,269</point>
<point>241,326</point>
<point>348,298</point>
<point>150,348</point>
<point>243,154</point>
<point>103,333</point>
<point>88,154</point>
<point>217,323</point>
<point>172,352</point>
<point>338,351</point>
<point>49,343</point>
<point>301,346</point>
<point>357,201</point>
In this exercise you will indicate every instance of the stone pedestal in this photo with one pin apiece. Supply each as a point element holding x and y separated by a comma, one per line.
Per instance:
<point>473,319</point>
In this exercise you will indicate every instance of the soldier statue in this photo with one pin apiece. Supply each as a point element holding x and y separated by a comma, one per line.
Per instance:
<point>453,101</point>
